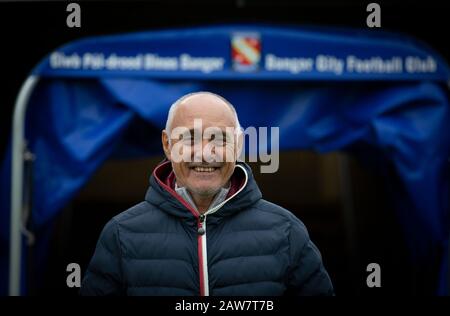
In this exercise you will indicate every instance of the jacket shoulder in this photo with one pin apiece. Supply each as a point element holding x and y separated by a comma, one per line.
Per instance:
<point>138,210</point>
<point>296,225</point>
<point>277,210</point>
<point>137,217</point>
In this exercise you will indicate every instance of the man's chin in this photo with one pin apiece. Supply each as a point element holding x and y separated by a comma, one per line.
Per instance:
<point>204,192</point>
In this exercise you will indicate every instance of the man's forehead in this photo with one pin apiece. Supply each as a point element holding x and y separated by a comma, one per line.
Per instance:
<point>211,110</point>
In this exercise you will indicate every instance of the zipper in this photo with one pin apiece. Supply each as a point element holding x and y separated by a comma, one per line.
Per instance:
<point>202,249</point>
<point>201,229</point>
<point>202,259</point>
<point>203,256</point>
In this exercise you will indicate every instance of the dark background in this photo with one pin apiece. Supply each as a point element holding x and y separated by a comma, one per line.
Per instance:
<point>30,30</point>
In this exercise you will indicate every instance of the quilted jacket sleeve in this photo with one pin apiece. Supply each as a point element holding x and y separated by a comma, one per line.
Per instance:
<point>104,274</point>
<point>307,276</point>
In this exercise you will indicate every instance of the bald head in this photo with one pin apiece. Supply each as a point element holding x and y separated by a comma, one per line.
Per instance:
<point>204,102</point>
<point>203,140</point>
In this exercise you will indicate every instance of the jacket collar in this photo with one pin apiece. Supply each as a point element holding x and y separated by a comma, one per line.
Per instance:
<point>218,199</point>
<point>243,192</point>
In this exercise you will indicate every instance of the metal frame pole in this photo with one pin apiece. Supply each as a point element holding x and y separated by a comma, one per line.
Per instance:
<point>18,145</point>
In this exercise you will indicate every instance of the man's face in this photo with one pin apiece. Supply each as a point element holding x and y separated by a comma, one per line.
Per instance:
<point>203,146</point>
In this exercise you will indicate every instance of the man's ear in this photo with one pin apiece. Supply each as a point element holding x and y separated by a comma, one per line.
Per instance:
<point>165,143</point>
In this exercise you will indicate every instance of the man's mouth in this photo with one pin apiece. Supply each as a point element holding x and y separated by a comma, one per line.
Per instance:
<point>205,169</point>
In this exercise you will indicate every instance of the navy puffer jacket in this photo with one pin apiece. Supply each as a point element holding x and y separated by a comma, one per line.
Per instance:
<point>245,246</point>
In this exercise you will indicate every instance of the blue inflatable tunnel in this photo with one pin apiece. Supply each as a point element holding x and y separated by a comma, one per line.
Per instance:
<point>326,89</point>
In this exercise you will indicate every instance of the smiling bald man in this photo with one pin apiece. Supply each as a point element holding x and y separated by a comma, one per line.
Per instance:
<point>204,228</point>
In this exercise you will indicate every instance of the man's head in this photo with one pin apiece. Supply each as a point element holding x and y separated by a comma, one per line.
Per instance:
<point>202,139</point>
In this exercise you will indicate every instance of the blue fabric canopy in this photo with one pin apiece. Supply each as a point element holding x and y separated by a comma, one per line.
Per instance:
<point>327,90</point>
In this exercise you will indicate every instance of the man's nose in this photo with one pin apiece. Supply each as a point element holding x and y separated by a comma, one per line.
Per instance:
<point>200,154</point>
